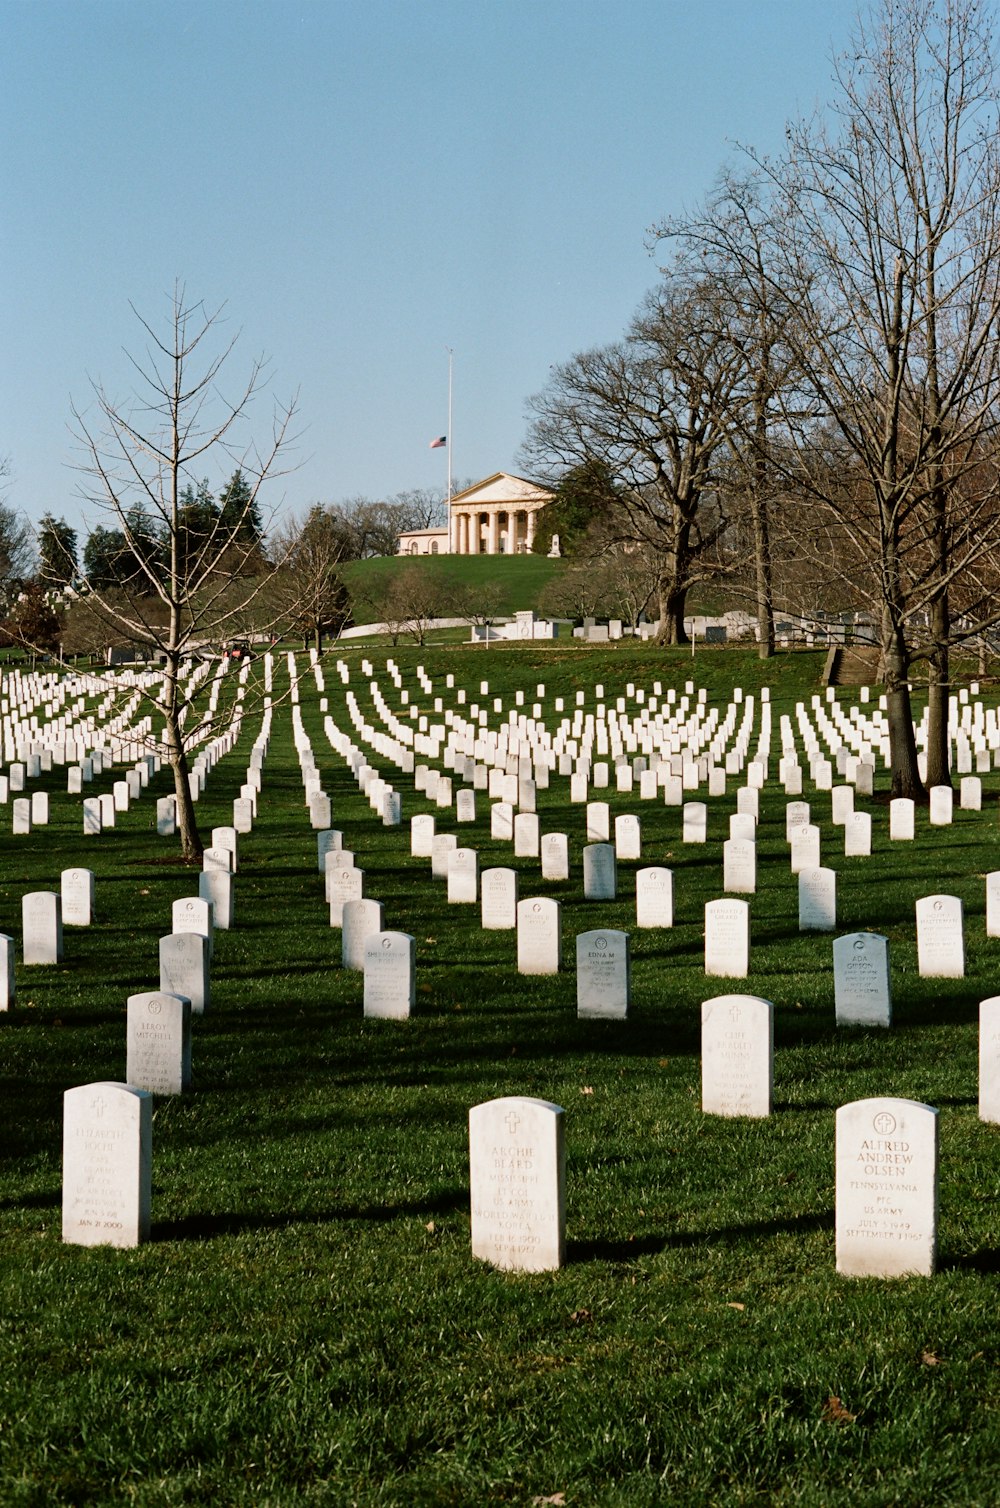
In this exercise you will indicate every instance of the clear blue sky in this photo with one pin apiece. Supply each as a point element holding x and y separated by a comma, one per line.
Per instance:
<point>364,183</point>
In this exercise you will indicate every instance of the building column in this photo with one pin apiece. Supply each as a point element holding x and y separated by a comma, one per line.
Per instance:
<point>461,534</point>
<point>474,536</point>
<point>530,530</point>
<point>493,544</point>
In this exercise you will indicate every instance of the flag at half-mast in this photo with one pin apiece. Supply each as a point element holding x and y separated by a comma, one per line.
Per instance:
<point>439,443</point>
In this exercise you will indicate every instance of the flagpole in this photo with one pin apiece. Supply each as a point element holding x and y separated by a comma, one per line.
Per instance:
<point>450,437</point>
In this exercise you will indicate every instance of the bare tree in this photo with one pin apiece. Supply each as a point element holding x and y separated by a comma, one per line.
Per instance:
<point>654,410</point>
<point>139,457</point>
<point>306,593</point>
<point>891,260</point>
<point>731,243</point>
<point>17,544</point>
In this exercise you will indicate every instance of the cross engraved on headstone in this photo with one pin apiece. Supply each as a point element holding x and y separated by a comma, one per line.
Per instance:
<point>884,1123</point>
<point>513,1121</point>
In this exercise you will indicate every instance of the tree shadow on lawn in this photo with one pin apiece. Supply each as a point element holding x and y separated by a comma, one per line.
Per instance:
<point>629,1250</point>
<point>208,1227</point>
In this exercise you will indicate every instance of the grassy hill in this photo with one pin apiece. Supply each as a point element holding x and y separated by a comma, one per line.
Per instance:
<point>521,579</point>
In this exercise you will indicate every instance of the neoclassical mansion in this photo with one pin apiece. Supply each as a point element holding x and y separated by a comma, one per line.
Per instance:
<point>495,517</point>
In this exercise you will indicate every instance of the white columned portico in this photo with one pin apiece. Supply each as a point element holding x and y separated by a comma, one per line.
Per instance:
<point>500,508</point>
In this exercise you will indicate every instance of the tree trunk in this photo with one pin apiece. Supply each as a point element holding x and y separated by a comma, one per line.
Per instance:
<point>673,598</point>
<point>762,562</point>
<point>187,823</point>
<point>902,743</point>
<point>938,677</point>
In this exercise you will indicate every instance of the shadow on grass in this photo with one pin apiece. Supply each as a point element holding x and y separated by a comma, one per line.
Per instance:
<point>629,1250</point>
<point>209,1227</point>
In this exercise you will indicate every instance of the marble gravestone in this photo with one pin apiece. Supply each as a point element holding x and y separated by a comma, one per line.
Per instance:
<point>463,877</point>
<point>989,1060</point>
<point>42,930</point>
<point>600,875</point>
<point>539,935</point>
<point>390,975</point>
<point>739,866</point>
<point>887,1185</point>
<point>216,887</point>
<point>602,973</point>
<point>861,980</point>
<point>193,913</point>
<point>517,1184</point>
<point>901,819</point>
<point>654,897</point>
<point>107,1165</point>
<point>940,938</point>
<point>343,884</point>
<point>737,1055</point>
<point>77,892</point>
<point>184,968</point>
<point>361,919</point>
<point>554,851</point>
<point>158,1042</point>
<point>817,900</point>
<point>498,899</point>
<point>727,938</point>
<point>8,983</point>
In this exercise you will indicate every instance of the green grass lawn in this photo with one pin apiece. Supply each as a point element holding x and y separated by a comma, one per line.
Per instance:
<point>518,579</point>
<point>307,1326</point>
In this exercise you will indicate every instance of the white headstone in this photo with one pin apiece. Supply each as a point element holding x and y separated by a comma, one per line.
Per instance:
<point>817,900</point>
<point>861,981</point>
<point>940,937</point>
<point>158,1037</point>
<point>942,801</point>
<point>184,968</point>
<point>463,877</point>
<point>598,822</point>
<point>526,835</point>
<point>739,866</point>
<point>901,819</point>
<point>628,837</point>
<point>858,835</point>
<point>517,1183</point>
<point>361,919</point>
<point>727,938</point>
<point>989,1060</point>
<point>343,883</point>
<point>887,1179</point>
<point>694,822</point>
<point>390,975</point>
<point>539,936</point>
<point>107,1165</point>
<point>600,882</point>
<point>216,887</point>
<point>737,1055</point>
<point>8,983</point>
<point>602,973</point>
<point>554,850</point>
<point>77,891</point>
<point>498,893</point>
<point>41,921</point>
<point>805,848</point>
<point>422,835</point>
<point>654,897</point>
<point>193,913</point>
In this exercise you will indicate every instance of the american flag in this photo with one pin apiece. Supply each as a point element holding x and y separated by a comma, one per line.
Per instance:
<point>437,444</point>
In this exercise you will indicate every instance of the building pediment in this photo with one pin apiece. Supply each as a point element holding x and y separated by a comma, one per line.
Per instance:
<point>503,488</point>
